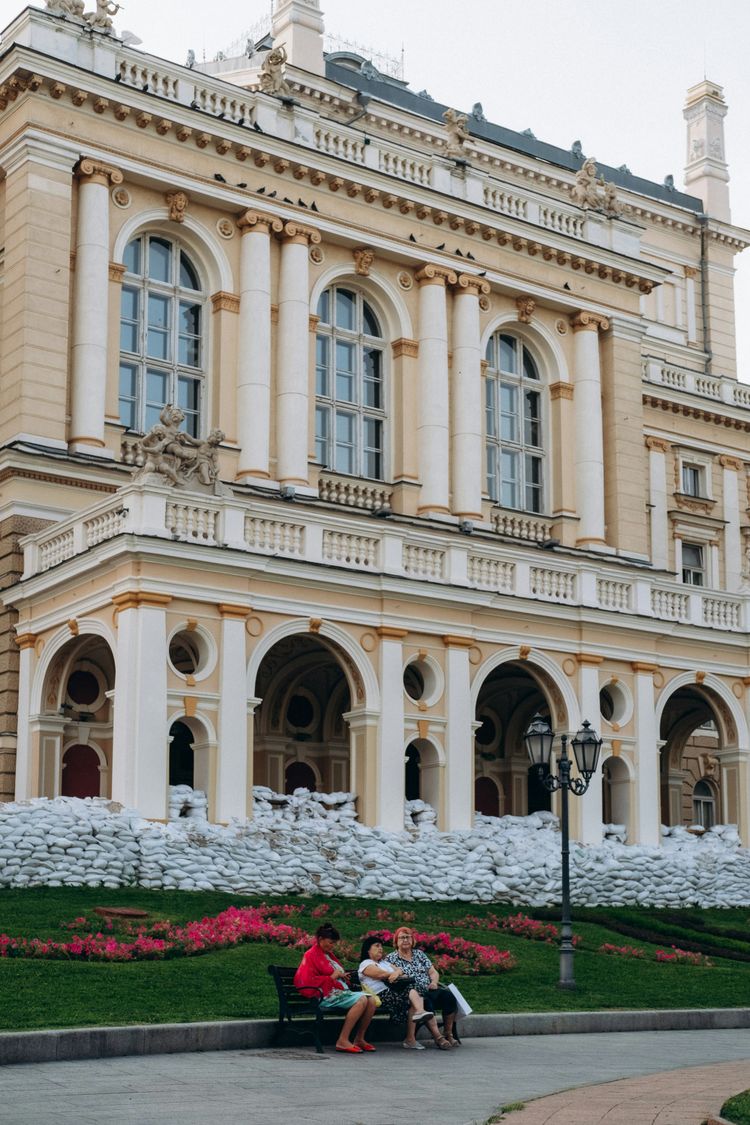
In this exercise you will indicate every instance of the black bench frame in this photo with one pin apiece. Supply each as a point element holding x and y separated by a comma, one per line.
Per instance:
<point>292,1003</point>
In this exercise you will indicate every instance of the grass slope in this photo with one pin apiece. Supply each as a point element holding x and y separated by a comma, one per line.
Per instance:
<point>233,984</point>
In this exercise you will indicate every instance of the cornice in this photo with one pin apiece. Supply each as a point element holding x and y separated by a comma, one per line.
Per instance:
<point>693,410</point>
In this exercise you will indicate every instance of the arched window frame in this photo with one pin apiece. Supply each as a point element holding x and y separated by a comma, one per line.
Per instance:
<point>163,334</point>
<point>704,804</point>
<point>515,425</point>
<point>350,432</point>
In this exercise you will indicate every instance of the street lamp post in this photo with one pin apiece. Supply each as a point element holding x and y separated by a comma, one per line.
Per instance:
<point>539,739</point>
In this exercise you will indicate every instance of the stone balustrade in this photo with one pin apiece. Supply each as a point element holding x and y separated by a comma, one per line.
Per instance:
<point>716,387</point>
<point>377,546</point>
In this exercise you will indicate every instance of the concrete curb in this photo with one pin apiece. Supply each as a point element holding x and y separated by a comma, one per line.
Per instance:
<point>173,1038</point>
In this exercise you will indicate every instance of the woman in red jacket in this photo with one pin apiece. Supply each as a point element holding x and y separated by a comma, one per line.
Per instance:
<point>320,975</point>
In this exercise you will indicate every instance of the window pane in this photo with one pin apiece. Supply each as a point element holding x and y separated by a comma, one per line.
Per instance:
<point>533,484</point>
<point>510,483</point>
<point>129,304</point>
<point>509,412</point>
<point>345,309</point>
<point>159,309</point>
<point>322,351</point>
<point>489,355</point>
<point>492,485</point>
<point>692,555</point>
<point>373,451</point>
<point>189,401</point>
<point>128,385</point>
<point>532,421</point>
<point>372,384</point>
<point>324,307</point>
<point>490,409</point>
<point>157,389</point>
<point>691,480</point>
<point>507,354</point>
<point>159,259</point>
<point>190,322</point>
<point>188,275</point>
<point>132,257</point>
<point>369,321</point>
<point>344,443</point>
<point>529,367</point>
<point>345,357</point>
<point>322,433</point>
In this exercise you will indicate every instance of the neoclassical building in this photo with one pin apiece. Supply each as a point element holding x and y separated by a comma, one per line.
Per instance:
<point>482,447</point>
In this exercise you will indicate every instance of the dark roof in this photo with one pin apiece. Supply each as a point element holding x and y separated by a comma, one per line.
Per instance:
<point>386,90</point>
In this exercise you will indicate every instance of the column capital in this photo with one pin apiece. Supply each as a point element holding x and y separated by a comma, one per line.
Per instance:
<point>658,445</point>
<point>136,599</point>
<point>300,235</point>
<point>225,302</point>
<point>561,390</point>
<point>404,346</point>
<point>644,667</point>
<point>233,612</point>
<point>391,633</point>
<point>116,271</point>
<point>589,658</point>
<point>97,172</point>
<point>585,321</point>
<point>25,640</point>
<point>432,274</point>
<point>451,640</point>
<point>470,283</point>
<point>256,222</point>
<point>728,462</point>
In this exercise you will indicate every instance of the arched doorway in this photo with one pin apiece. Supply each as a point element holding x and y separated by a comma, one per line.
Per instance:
<point>181,755</point>
<point>487,797</point>
<point>510,696</point>
<point>301,737</point>
<point>422,774</point>
<point>615,792</point>
<point>74,727</point>
<point>690,758</point>
<point>81,776</point>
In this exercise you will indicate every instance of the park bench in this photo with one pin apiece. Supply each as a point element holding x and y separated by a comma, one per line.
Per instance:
<point>293,1004</point>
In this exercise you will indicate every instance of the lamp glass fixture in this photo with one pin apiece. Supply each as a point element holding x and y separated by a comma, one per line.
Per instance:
<point>586,747</point>
<point>539,738</point>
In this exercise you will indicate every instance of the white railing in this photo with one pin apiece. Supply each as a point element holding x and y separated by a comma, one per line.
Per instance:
<point>56,549</point>
<point>423,562</point>
<point>105,526</point>
<point>191,521</point>
<point>354,493</point>
<point>613,594</point>
<point>722,613</point>
<point>350,550</point>
<point>338,144</point>
<point>276,536</point>
<point>564,222</point>
<point>518,526</point>
<point>669,605</point>
<point>491,574</point>
<point>716,387</point>
<point>508,203</point>
<point>405,167</point>
<point>552,585</point>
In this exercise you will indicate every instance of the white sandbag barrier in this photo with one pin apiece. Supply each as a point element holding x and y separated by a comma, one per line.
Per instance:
<point>312,843</point>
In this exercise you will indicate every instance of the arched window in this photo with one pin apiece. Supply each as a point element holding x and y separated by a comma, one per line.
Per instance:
<point>161,334</point>
<point>349,387</point>
<point>514,425</point>
<point>704,805</point>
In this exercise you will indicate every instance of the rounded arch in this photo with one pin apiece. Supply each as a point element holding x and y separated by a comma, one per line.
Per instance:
<point>205,246</point>
<point>87,627</point>
<point>299,773</point>
<point>539,340</point>
<point>386,299</point>
<point>83,768</point>
<point>730,720</point>
<point>199,724</point>
<point>550,677</point>
<point>360,674</point>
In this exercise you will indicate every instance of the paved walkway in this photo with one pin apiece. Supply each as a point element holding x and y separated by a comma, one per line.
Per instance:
<point>271,1087</point>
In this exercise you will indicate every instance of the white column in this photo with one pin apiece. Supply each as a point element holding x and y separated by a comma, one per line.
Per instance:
<point>232,798</point>
<point>390,759</point>
<point>646,815</point>
<point>589,443</point>
<point>466,399</point>
<point>657,475</point>
<point>433,434</point>
<point>292,376</point>
<point>459,736</point>
<point>90,307</point>
<point>254,352</point>
<point>731,468</point>
<point>140,766</point>
<point>591,801</point>
<point>27,774</point>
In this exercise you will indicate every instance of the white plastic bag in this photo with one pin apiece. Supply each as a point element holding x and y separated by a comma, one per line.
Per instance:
<point>464,1007</point>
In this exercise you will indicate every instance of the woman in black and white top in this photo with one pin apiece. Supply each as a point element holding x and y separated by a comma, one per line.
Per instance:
<point>420,968</point>
<point>392,986</point>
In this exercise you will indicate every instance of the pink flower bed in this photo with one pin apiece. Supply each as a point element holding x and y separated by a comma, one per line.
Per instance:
<point>674,957</point>
<point>234,926</point>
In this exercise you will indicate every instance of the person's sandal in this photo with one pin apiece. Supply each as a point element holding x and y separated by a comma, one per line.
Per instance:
<point>443,1044</point>
<point>453,1042</point>
<point>412,1046</point>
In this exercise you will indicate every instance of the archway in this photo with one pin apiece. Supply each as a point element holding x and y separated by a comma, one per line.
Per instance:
<point>181,755</point>
<point>691,735</point>
<point>509,697</point>
<point>73,728</point>
<point>487,797</point>
<point>301,734</point>
<point>422,774</point>
<point>615,792</point>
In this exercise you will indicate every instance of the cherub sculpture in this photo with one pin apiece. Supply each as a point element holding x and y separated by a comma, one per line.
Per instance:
<point>272,79</point>
<point>455,123</point>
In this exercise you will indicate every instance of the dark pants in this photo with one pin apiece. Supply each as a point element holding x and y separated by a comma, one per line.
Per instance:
<point>440,999</point>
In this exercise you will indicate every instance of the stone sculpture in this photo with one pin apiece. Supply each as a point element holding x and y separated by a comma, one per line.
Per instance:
<point>98,20</point>
<point>455,124</point>
<point>183,460</point>
<point>272,79</point>
<point>591,192</point>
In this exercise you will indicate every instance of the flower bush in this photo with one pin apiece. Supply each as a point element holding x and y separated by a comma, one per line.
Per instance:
<point>682,957</point>
<point>164,940</point>
<point>622,950</point>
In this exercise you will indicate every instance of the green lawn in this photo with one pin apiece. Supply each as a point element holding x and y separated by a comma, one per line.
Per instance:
<point>233,984</point>
<point>737,1109</point>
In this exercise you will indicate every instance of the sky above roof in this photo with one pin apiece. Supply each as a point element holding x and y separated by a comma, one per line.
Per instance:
<point>612,75</point>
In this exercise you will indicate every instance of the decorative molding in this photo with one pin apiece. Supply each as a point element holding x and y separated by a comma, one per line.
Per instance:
<point>643,666</point>
<point>315,624</point>
<point>225,227</point>
<point>658,445</point>
<point>588,658</point>
<point>296,232</point>
<point>432,274</point>
<point>405,281</point>
<point>312,322</point>
<point>121,197</point>
<point>404,346</point>
<point>225,302</point>
<point>728,462</point>
<point>470,283</point>
<point>525,307</point>
<point>523,652</point>
<point>26,640</point>
<point>258,222</point>
<point>116,271</point>
<point>390,632</point>
<point>177,202</point>
<point>95,171</point>
<point>561,390</point>
<point>233,612</point>
<point>363,260</point>
<point>451,640</point>
<point>136,599</point>
<point>585,321</point>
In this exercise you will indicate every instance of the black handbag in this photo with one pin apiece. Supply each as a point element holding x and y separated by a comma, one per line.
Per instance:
<point>401,984</point>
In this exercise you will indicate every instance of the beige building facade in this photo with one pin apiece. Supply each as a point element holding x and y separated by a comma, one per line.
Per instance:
<point>482,445</point>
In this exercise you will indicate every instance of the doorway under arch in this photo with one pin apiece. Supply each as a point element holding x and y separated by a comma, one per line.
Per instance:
<point>615,792</point>
<point>81,772</point>
<point>299,775</point>
<point>487,797</point>
<point>691,753</point>
<point>422,774</point>
<point>181,755</point>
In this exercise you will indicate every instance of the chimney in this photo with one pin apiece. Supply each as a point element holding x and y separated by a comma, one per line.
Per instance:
<point>706,171</point>
<point>298,27</point>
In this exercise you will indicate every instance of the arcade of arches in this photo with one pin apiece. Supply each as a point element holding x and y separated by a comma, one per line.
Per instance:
<point>303,736</point>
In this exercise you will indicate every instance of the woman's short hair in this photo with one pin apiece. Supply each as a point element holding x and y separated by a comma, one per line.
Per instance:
<point>327,931</point>
<point>402,930</point>
<point>367,944</point>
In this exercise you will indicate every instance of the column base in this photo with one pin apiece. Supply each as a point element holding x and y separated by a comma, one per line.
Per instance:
<point>93,447</point>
